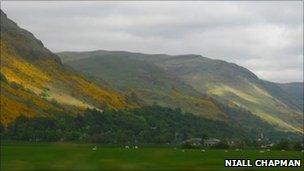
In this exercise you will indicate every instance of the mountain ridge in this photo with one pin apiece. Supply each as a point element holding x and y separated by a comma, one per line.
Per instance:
<point>224,81</point>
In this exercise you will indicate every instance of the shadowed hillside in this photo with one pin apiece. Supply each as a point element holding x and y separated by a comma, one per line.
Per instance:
<point>295,90</point>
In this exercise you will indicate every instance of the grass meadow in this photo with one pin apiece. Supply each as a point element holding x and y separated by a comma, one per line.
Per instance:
<point>69,156</point>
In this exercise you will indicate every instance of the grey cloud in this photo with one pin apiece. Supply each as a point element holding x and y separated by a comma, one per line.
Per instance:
<point>265,37</point>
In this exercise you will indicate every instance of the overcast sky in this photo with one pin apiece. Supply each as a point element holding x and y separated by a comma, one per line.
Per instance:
<point>265,37</point>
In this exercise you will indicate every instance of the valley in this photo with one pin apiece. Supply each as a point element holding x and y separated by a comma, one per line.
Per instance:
<point>151,101</point>
<point>40,86</point>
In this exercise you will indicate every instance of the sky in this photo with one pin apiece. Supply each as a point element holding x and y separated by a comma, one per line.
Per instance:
<point>265,37</point>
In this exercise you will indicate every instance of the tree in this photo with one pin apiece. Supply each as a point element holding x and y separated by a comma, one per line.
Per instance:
<point>3,78</point>
<point>297,146</point>
<point>105,106</point>
<point>133,98</point>
<point>204,136</point>
<point>221,145</point>
<point>282,145</point>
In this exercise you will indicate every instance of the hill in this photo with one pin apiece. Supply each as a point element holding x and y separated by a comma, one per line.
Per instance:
<point>145,83</point>
<point>35,82</point>
<point>226,82</point>
<point>230,82</point>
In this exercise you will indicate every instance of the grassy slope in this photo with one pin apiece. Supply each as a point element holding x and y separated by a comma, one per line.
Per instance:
<point>82,157</point>
<point>295,90</point>
<point>16,101</point>
<point>25,61</point>
<point>148,82</point>
<point>227,82</point>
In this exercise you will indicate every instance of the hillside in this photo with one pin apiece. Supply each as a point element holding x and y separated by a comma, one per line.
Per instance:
<point>34,81</point>
<point>227,82</point>
<point>295,90</point>
<point>145,83</point>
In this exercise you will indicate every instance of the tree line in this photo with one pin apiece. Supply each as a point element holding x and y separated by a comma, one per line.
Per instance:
<point>146,125</point>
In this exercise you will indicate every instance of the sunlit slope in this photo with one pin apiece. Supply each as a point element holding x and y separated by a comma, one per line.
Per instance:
<point>227,82</point>
<point>26,62</point>
<point>230,82</point>
<point>143,82</point>
<point>16,100</point>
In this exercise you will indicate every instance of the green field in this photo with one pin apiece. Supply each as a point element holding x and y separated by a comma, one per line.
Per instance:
<point>66,156</point>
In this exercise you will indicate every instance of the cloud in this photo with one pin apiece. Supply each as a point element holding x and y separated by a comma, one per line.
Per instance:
<point>265,37</point>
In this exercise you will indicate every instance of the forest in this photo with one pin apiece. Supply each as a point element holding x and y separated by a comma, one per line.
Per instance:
<point>154,125</point>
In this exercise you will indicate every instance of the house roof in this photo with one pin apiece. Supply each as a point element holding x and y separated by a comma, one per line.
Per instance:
<point>210,140</point>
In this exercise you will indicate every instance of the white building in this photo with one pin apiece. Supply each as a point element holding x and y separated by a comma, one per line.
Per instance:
<point>211,142</point>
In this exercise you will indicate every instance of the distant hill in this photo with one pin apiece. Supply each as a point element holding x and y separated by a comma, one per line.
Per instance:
<point>35,82</point>
<point>226,82</point>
